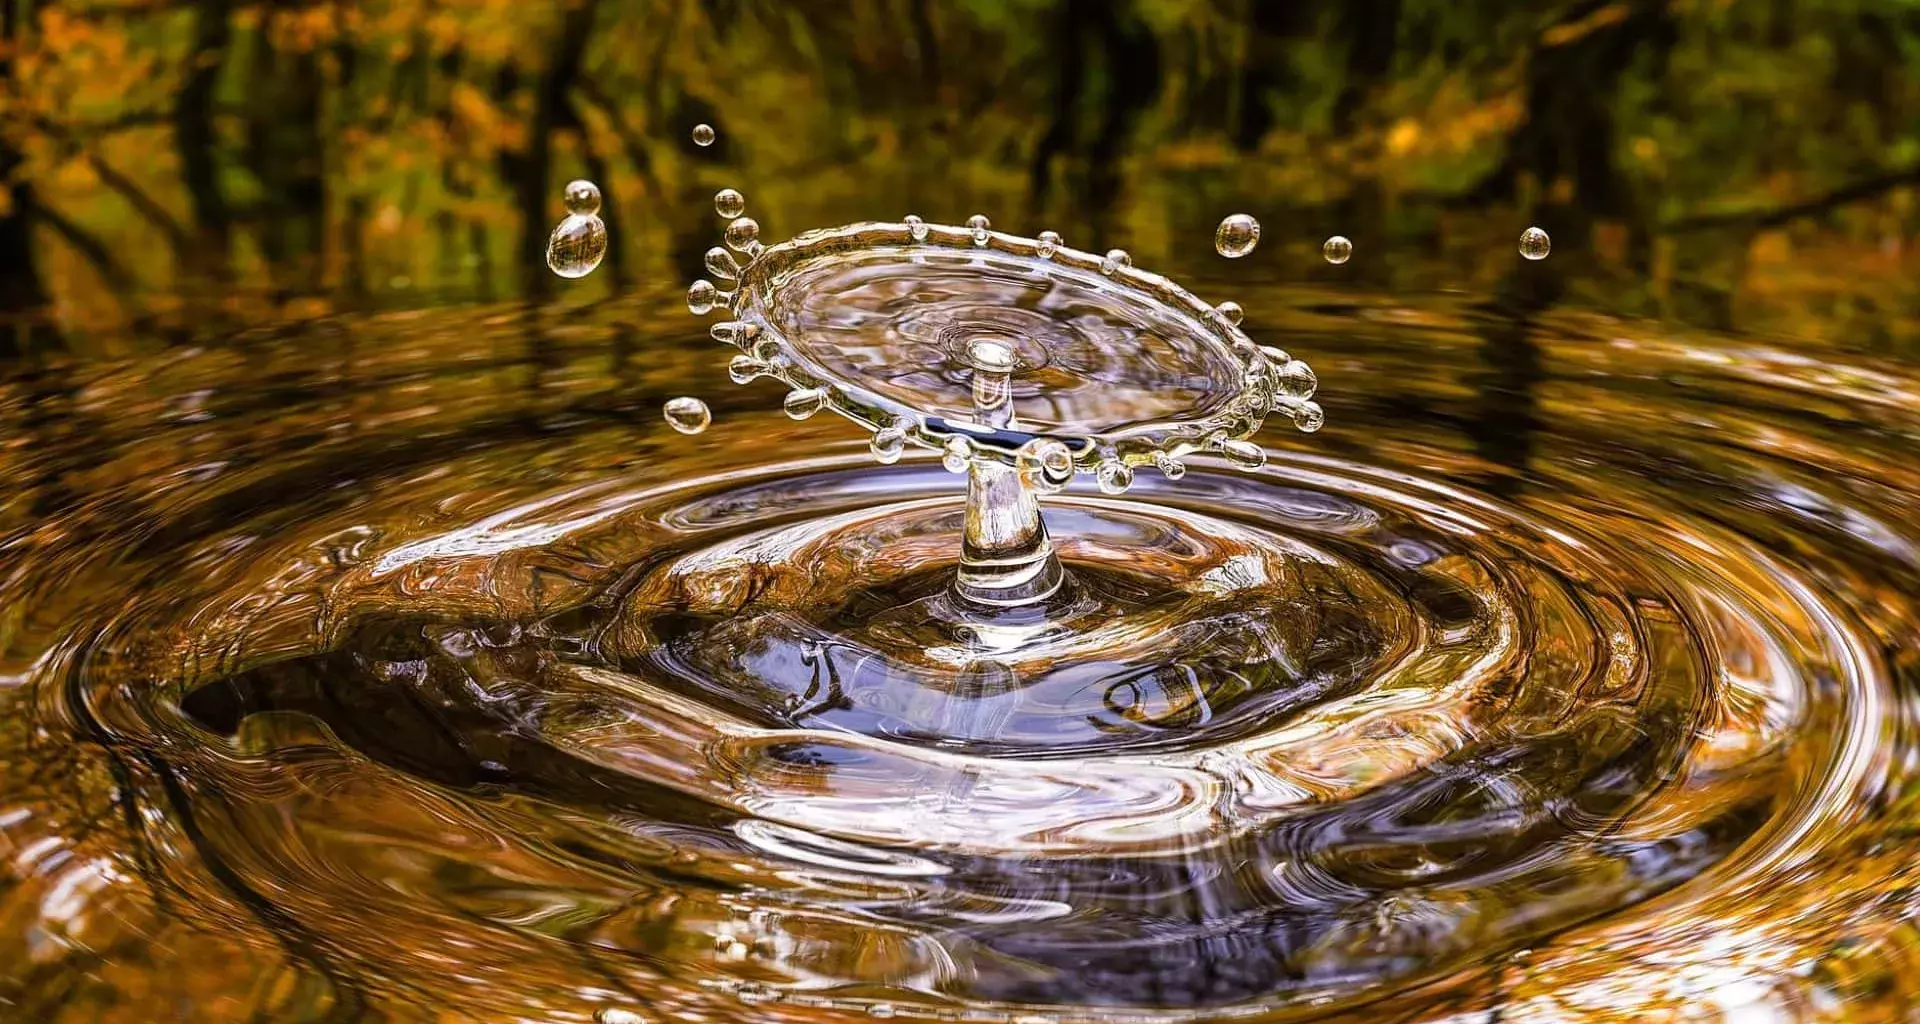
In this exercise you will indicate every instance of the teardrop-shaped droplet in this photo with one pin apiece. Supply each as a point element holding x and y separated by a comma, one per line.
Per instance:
<point>1297,380</point>
<point>801,403</point>
<point>957,454</point>
<point>701,296</point>
<point>1231,312</point>
<point>577,245</point>
<point>721,264</point>
<point>703,135</point>
<point>1337,250</point>
<point>743,235</point>
<point>729,203</point>
<point>1309,417</point>
<point>581,196</point>
<point>1114,476</point>
<point>1534,244</point>
<point>887,445</point>
<point>916,228</point>
<point>1244,454</point>
<point>744,369</point>
<point>687,415</point>
<point>1049,244</point>
<point>1236,236</point>
<point>1114,260</point>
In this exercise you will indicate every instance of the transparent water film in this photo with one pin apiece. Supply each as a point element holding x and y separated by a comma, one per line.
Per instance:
<point>1236,236</point>
<point>687,415</point>
<point>1534,244</point>
<point>1337,250</point>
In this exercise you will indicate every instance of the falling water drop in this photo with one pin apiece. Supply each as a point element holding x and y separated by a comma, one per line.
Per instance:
<point>1114,476</point>
<point>801,403</point>
<point>1115,259</point>
<point>1236,236</point>
<point>916,228</point>
<point>577,245</point>
<point>1231,312</point>
<point>1049,244</point>
<point>581,196</point>
<point>687,415</point>
<point>743,235</point>
<point>1534,244</point>
<point>721,264</point>
<point>979,225</point>
<point>701,296</point>
<point>729,203</point>
<point>1309,417</point>
<point>1337,250</point>
<point>703,135</point>
<point>958,453</point>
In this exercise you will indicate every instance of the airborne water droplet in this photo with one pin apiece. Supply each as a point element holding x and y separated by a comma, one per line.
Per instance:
<point>581,196</point>
<point>721,264</point>
<point>1049,244</point>
<point>1337,250</point>
<point>701,296</point>
<point>577,245</point>
<point>703,135</point>
<point>729,203</point>
<point>687,415</point>
<point>1115,259</point>
<point>1231,312</point>
<point>1534,244</point>
<point>1236,236</point>
<point>743,235</point>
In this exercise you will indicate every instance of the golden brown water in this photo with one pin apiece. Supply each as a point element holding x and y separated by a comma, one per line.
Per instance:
<point>409,667</point>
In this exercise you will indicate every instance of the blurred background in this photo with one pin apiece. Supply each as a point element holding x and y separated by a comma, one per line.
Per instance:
<point>176,168</point>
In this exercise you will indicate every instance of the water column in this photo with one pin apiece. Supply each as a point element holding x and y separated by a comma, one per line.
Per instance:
<point>1006,558</point>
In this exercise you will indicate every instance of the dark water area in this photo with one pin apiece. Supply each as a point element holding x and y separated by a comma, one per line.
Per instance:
<point>372,649</point>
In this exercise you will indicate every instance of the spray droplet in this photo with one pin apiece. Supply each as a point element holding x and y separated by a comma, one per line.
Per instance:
<point>1231,312</point>
<point>703,135</point>
<point>1049,244</point>
<point>916,228</point>
<point>581,196</point>
<point>1297,379</point>
<point>721,264</point>
<point>687,415</point>
<point>804,402</point>
<point>1309,417</point>
<point>701,296</point>
<point>1170,467</point>
<point>1115,259</point>
<point>887,445</point>
<point>743,235</point>
<point>744,369</point>
<point>1236,236</point>
<point>958,452</point>
<point>1244,454</point>
<point>1534,244</point>
<point>729,203</point>
<point>577,245</point>
<point>979,225</point>
<point>1114,476</point>
<point>1337,250</point>
<point>1045,464</point>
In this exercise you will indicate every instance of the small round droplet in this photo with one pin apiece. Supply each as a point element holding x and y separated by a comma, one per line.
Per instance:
<point>916,228</point>
<point>687,415</point>
<point>721,264</point>
<point>701,296</point>
<point>1046,464</point>
<point>729,203</point>
<point>957,454</point>
<point>1170,467</point>
<point>887,445</point>
<point>581,196</point>
<point>577,245</point>
<point>744,369</point>
<point>1297,379</point>
<point>743,235</point>
<point>1244,454</point>
<point>1309,417</point>
<point>1534,244</point>
<point>1114,476</point>
<point>1231,312</point>
<point>1049,244</point>
<point>1114,260</point>
<point>1236,236</point>
<point>703,135</point>
<point>1337,250</point>
<point>979,225</point>
<point>804,402</point>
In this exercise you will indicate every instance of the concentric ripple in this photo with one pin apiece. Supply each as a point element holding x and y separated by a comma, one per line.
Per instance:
<point>1601,706</point>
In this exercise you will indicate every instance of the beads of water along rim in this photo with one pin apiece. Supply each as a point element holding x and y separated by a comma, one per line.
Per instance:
<point>1114,476</point>
<point>1231,312</point>
<point>701,295</point>
<point>1045,465</point>
<point>577,245</point>
<point>729,203</point>
<point>1236,236</point>
<point>887,445</point>
<point>1297,379</point>
<point>1170,467</point>
<point>743,235</point>
<point>801,403</point>
<point>916,228</point>
<point>979,225</point>
<point>687,415</point>
<point>703,135</point>
<point>1049,244</point>
<point>1534,244</point>
<point>1244,454</point>
<point>1337,250</point>
<point>581,196</point>
<point>1309,417</point>
<point>721,264</point>
<point>957,454</point>
<point>1114,260</point>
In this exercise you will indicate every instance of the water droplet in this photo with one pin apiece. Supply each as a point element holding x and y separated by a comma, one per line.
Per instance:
<point>687,415</point>
<point>1309,417</point>
<point>1277,356</point>
<point>743,235</point>
<point>703,135</point>
<point>733,332</point>
<point>991,354</point>
<point>1114,476</point>
<point>1170,467</point>
<point>916,228</point>
<point>979,225</point>
<point>701,296</point>
<point>577,245</point>
<point>1297,379</point>
<point>958,453</point>
<point>804,402</point>
<point>887,445</point>
<point>1049,244</point>
<point>721,264</point>
<point>1231,312</point>
<point>610,1015</point>
<point>1534,244</point>
<point>581,196</point>
<point>1236,236</point>
<point>881,1010</point>
<point>1244,454</point>
<point>729,203</point>
<point>1337,250</point>
<point>1046,464</point>
<point>745,369</point>
<point>1115,259</point>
